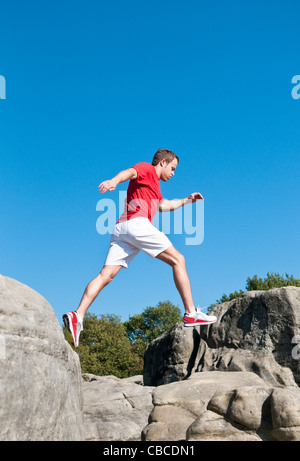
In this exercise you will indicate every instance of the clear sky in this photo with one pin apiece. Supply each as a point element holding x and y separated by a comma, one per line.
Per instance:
<point>94,87</point>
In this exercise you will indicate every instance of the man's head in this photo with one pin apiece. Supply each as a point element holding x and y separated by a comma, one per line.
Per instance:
<point>165,162</point>
<point>164,154</point>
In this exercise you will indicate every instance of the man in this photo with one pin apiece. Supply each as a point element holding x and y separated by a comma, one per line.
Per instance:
<point>134,231</point>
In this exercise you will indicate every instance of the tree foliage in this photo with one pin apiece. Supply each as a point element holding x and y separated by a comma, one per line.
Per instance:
<point>272,280</point>
<point>110,347</point>
<point>152,322</point>
<point>105,349</point>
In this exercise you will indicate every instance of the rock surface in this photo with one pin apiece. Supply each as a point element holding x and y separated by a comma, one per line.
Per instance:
<point>237,379</point>
<point>224,406</point>
<point>40,374</point>
<point>115,409</point>
<point>255,332</point>
<point>179,404</point>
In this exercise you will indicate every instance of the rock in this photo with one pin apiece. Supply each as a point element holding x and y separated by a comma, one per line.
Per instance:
<point>115,409</point>
<point>250,413</point>
<point>234,380</point>
<point>40,374</point>
<point>223,406</point>
<point>285,411</point>
<point>177,405</point>
<point>255,332</point>
<point>211,426</point>
<point>172,356</point>
<point>202,373</point>
<point>244,411</point>
<point>243,405</point>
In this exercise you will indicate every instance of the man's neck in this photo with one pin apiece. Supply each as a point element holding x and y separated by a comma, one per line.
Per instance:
<point>158,170</point>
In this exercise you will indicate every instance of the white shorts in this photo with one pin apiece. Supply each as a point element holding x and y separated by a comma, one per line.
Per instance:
<point>129,237</point>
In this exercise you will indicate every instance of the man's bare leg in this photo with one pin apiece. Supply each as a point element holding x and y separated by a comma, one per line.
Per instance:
<point>176,260</point>
<point>95,286</point>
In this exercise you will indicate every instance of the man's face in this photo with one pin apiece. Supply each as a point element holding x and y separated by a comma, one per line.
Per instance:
<point>168,169</point>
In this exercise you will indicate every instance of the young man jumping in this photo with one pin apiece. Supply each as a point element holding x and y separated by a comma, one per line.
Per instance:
<point>134,231</point>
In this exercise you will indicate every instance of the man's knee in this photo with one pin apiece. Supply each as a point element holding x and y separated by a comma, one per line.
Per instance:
<point>172,257</point>
<point>109,272</point>
<point>179,259</point>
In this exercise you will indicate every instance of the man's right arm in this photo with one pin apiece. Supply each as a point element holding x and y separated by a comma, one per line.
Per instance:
<point>123,176</point>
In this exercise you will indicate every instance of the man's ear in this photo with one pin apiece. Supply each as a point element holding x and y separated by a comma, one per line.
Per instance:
<point>163,162</point>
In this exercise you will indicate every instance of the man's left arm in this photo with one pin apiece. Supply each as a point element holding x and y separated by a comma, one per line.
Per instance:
<point>171,205</point>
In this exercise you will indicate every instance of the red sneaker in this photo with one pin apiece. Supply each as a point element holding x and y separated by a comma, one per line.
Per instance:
<point>198,318</point>
<point>73,324</point>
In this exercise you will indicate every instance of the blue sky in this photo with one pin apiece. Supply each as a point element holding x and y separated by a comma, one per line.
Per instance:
<point>94,87</point>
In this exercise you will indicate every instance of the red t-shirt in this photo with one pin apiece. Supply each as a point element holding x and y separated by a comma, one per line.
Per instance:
<point>143,194</point>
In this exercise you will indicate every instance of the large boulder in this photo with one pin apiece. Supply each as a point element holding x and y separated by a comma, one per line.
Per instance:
<point>249,413</point>
<point>115,409</point>
<point>178,405</point>
<point>256,332</point>
<point>223,406</point>
<point>40,379</point>
<point>173,356</point>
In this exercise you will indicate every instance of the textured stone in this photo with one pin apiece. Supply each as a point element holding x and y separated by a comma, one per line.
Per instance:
<point>172,356</point>
<point>115,409</point>
<point>40,374</point>
<point>285,409</point>
<point>177,405</point>
<point>224,406</point>
<point>211,426</point>
<point>255,332</point>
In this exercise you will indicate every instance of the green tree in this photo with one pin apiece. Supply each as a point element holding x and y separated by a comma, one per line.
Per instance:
<point>143,328</point>
<point>229,297</point>
<point>105,349</point>
<point>272,280</point>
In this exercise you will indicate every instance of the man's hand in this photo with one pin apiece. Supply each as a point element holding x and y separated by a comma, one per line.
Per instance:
<point>171,205</point>
<point>108,185</point>
<point>195,196</point>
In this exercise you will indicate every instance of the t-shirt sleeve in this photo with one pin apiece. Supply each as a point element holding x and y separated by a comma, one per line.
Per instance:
<point>143,170</point>
<point>138,167</point>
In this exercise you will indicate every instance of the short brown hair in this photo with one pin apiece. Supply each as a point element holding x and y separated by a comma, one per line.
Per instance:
<point>164,154</point>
